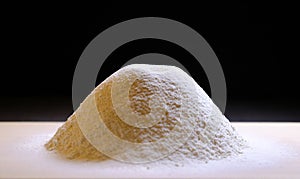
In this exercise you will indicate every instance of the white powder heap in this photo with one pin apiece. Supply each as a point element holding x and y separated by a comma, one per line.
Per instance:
<point>145,113</point>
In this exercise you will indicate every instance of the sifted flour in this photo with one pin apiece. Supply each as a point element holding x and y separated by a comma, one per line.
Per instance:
<point>144,113</point>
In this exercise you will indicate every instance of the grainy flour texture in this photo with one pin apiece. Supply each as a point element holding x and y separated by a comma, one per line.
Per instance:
<point>145,113</point>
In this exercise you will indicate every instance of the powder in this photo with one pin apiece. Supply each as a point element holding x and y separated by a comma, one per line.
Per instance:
<point>145,113</point>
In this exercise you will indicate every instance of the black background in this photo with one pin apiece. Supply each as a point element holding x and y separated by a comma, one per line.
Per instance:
<point>42,44</point>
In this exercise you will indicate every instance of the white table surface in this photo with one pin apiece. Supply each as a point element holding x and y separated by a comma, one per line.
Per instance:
<point>274,153</point>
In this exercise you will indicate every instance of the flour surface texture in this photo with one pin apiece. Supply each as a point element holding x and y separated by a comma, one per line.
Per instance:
<point>144,113</point>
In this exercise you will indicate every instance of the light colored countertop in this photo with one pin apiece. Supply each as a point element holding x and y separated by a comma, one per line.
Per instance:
<point>274,153</point>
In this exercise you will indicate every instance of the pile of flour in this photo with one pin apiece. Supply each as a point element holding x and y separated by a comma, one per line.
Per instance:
<point>147,113</point>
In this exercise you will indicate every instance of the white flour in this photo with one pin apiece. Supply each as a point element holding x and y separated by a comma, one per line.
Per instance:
<point>145,113</point>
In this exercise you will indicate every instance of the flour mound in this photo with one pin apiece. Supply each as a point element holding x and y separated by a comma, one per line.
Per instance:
<point>144,113</point>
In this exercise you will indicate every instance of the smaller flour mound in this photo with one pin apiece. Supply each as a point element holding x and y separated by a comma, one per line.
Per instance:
<point>144,113</point>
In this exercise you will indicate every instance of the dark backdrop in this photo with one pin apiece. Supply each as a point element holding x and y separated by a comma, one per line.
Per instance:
<point>41,46</point>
